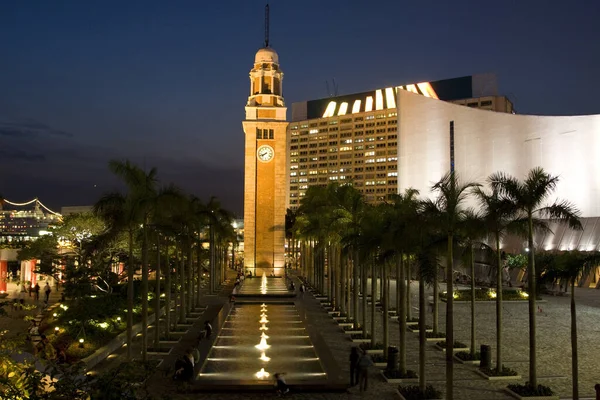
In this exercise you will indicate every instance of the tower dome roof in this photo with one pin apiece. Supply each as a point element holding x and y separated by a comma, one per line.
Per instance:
<point>266,54</point>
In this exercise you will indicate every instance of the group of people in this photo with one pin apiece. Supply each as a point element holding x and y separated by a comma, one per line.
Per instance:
<point>184,367</point>
<point>35,290</point>
<point>360,362</point>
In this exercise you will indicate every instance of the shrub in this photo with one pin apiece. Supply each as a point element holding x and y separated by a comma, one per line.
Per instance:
<point>413,392</point>
<point>360,336</point>
<point>466,356</point>
<point>395,374</point>
<point>505,371</point>
<point>435,334</point>
<point>378,358</point>
<point>528,390</point>
<point>457,344</point>
<point>367,346</point>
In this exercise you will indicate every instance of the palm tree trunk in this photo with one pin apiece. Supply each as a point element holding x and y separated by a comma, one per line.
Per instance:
<point>130,269</point>
<point>386,309</point>
<point>574,353</point>
<point>212,259</point>
<point>198,260</point>
<point>373,299</point>
<point>435,307</point>
<point>355,283</point>
<point>145,293</point>
<point>190,282</point>
<point>401,315</point>
<point>408,298</point>
<point>177,293</point>
<point>498,305</point>
<point>169,271</point>
<point>450,321</point>
<point>422,337</point>
<point>157,294</point>
<point>183,287</point>
<point>363,282</point>
<point>472,265</point>
<point>532,306</point>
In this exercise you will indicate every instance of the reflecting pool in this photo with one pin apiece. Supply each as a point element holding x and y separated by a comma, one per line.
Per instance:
<point>258,340</point>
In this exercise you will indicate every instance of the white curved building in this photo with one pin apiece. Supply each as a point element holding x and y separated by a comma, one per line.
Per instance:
<point>486,142</point>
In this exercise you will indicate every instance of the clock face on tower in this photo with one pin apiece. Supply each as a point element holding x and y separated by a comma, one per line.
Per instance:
<point>265,153</point>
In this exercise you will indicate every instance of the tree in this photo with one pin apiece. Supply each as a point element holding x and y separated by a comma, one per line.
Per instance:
<point>497,214</point>
<point>404,214</point>
<point>131,213</point>
<point>530,196</point>
<point>451,194</point>
<point>569,267</point>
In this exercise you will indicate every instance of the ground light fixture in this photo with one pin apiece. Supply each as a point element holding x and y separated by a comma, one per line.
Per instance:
<point>56,329</point>
<point>81,343</point>
<point>262,374</point>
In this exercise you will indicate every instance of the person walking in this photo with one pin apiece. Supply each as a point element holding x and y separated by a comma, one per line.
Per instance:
<point>302,291</point>
<point>354,357</point>
<point>207,329</point>
<point>47,291</point>
<point>281,385</point>
<point>364,362</point>
<point>36,289</point>
<point>29,288</point>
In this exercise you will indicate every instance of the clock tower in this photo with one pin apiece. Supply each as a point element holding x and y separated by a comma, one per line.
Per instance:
<point>265,182</point>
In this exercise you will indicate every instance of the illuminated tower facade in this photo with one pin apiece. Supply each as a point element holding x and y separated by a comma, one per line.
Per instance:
<point>265,182</point>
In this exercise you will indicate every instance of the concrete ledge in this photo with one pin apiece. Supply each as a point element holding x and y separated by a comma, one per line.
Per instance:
<point>398,380</point>
<point>517,396</point>
<point>455,350</point>
<point>504,378</point>
<point>403,398</point>
<point>473,362</point>
<point>93,359</point>
<point>267,387</point>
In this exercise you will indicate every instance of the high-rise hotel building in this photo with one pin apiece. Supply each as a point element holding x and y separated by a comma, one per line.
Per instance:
<point>354,138</point>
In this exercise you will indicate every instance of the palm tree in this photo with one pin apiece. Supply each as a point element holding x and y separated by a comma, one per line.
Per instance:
<point>449,205</point>
<point>128,212</point>
<point>529,197</point>
<point>569,267</point>
<point>403,217</point>
<point>472,229</point>
<point>497,214</point>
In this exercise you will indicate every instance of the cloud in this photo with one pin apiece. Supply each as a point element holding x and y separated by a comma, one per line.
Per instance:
<point>28,128</point>
<point>17,154</point>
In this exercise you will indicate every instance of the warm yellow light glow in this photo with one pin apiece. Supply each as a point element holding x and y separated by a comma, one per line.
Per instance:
<point>427,90</point>
<point>390,97</point>
<point>343,109</point>
<point>262,374</point>
<point>264,327</point>
<point>81,340</point>
<point>264,336</point>
<point>263,315</point>
<point>378,99</point>
<point>492,294</point>
<point>455,295</point>
<point>356,106</point>
<point>118,319</point>
<point>103,325</point>
<point>263,344</point>
<point>263,283</point>
<point>412,88</point>
<point>524,294</point>
<point>264,357</point>
<point>329,111</point>
<point>55,315</point>
<point>263,320</point>
<point>56,329</point>
<point>369,104</point>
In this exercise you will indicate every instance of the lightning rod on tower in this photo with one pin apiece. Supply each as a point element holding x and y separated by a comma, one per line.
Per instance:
<point>267,25</point>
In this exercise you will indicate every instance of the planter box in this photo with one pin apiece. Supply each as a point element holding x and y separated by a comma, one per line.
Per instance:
<point>352,332</point>
<point>473,362</point>
<point>434,339</point>
<point>380,364</point>
<point>321,297</point>
<point>412,323</point>
<point>374,351</point>
<point>405,380</point>
<point>505,378</point>
<point>456,349</point>
<point>394,318</point>
<point>93,359</point>
<point>361,340</point>
<point>343,324</point>
<point>517,396</point>
<point>332,313</point>
<point>339,319</point>
<point>415,329</point>
<point>403,398</point>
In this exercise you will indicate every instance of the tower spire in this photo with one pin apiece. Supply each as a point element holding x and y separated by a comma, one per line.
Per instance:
<point>267,25</point>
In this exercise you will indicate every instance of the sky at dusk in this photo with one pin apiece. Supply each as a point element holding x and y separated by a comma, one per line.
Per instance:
<point>164,84</point>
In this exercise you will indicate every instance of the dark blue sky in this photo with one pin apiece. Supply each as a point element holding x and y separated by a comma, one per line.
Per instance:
<point>165,83</point>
